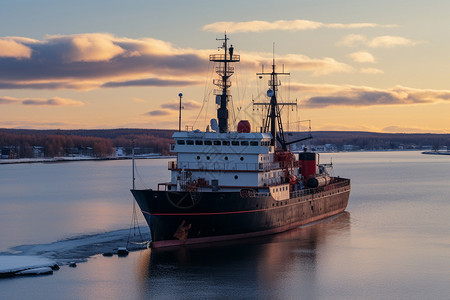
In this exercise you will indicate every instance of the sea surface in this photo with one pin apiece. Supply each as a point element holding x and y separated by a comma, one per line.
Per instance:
<point>393,241</point>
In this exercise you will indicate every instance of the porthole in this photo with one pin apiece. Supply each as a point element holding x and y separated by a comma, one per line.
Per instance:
<point>198,157</point>
<point>235,177</point>
<point>242,158</point>
<point>226,157</point>
<point>207,157</point>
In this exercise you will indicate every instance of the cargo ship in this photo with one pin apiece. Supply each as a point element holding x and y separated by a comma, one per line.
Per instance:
<point>234,184</point>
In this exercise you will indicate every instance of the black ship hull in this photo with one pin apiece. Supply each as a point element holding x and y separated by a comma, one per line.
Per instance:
<point>177,218</point>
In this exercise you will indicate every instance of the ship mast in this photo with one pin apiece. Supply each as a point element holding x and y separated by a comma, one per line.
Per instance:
<point>273,116</point>
<point>225,71</point>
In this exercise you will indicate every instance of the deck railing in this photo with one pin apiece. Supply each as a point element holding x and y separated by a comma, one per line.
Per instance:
<point>220,166</point>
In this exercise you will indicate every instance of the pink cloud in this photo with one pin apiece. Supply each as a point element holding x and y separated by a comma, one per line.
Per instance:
<point>11,48</point>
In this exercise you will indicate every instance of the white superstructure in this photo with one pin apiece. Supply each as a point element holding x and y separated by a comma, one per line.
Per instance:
<point>227,161</point>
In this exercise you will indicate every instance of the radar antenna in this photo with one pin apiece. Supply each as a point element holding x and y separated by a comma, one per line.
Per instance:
<point>225,71</point>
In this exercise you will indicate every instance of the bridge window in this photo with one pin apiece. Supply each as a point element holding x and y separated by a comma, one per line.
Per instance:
<point>217,143</point>
<point>226,143</point>
<point>180,142</point>
<point>190,142</point>
<point>208,143</point>
<point>235,143</point>
<point>198,142</point>
<point>244,143</point>
<point>254,143</point>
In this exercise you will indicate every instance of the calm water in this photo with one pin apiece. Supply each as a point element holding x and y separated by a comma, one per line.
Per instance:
<point>392,243</point>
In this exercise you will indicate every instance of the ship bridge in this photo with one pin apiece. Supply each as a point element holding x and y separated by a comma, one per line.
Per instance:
<point>233,160</point>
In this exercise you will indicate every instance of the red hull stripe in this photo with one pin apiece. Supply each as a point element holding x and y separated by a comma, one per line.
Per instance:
<point>203,214</point>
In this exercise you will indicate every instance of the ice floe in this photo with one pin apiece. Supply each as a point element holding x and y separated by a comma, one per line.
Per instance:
<point>14,265</point>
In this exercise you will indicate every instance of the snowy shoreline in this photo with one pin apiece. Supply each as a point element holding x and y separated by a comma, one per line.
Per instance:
<point>78,158</point>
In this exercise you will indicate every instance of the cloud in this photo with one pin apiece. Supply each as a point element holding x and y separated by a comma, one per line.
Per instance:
<point>52,85</point>
<point>11,48</point>
<point>139,100</point>
<point>386,41</point>
<point>55,101</point>
<point>320,96</point>
<point>93,47</point>
<point>397,129</point>
<point>7,100</point>
<point>186,104</point>
<point>318,66</point>
<point>389,41</point>
<point>371,71</point>
<point>351,40</point>
<point>284,25</point>
<point>159,112</point>
<point>362,57</point>
<point>38,125</point>
<point>86,61</point>
<point>151,82</point>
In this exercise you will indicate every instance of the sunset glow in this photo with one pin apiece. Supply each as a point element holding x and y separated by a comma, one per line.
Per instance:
<point>380,67</point>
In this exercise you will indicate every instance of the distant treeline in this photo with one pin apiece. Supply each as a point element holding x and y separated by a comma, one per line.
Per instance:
<point>97,143</point>
<point>102,142</point>
<point>373,140</point>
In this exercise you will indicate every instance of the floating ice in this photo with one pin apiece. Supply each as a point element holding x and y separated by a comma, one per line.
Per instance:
<point>79,248</point>
<point>13,265</point>
<point>40,258</point>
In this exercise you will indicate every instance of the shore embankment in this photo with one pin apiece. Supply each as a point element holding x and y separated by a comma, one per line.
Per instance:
<point>77,158</point>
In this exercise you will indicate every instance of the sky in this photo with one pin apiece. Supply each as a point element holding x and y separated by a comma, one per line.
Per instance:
<point>381,66</point>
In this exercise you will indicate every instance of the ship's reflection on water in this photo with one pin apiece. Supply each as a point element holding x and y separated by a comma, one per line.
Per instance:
<point>275,266</point>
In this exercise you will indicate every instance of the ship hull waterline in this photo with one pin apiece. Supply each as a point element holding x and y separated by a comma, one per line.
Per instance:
<point>183,218</point>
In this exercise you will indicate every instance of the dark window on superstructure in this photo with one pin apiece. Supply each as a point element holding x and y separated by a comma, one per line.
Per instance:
<point>235,143</point>
<point>244,143</point>
<point>180,142</point>
<point>207,157</point>
<point>254,143</point>
<point>198,157</point>
<point>198,142</point>
<point>217,143</point>
<point>190,142</point>
<point>208,143</point>
<point>226,143</point>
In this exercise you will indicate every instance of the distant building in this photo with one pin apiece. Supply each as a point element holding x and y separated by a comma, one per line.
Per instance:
<point>8,153</point>
<point>38,152</point>
<point>119,152</point>
<point>348,148</point>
